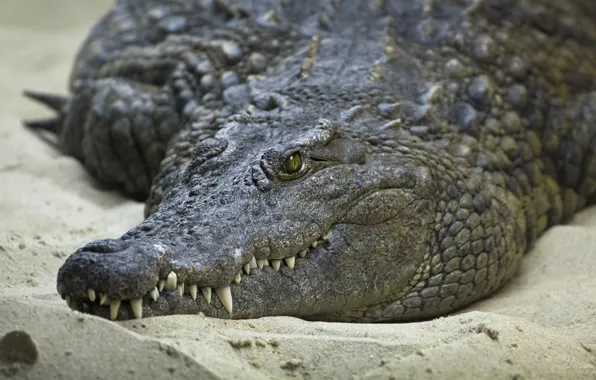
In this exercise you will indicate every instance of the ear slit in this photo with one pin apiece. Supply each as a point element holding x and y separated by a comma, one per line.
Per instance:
<point>320,159</point>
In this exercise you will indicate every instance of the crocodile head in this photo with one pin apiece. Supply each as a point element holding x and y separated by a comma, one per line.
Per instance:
<point>277,218</point>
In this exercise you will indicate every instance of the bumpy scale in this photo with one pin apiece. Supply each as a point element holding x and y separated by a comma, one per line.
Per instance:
<point>344,160</point>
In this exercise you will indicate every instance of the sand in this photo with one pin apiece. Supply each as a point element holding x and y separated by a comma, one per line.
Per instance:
<point>542,325</point>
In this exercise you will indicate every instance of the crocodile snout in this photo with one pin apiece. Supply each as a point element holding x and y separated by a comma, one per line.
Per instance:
<point>122,279</point>
<point>111,270</point>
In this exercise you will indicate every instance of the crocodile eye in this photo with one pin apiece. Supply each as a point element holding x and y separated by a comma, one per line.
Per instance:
<point>293,163</point>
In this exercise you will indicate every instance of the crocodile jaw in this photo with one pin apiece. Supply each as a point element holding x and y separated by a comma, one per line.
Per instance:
<point>247,295</point>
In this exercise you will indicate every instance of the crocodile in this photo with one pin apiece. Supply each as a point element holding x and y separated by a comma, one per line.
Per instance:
<point>342,160</point>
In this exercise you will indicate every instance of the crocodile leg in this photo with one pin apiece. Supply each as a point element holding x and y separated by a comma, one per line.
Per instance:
<point>144,74</point>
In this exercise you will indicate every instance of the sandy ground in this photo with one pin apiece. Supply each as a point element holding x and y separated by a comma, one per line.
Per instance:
<point>542,325</point>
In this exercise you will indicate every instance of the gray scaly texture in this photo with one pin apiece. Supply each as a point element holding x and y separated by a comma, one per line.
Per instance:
<point>335,160</point>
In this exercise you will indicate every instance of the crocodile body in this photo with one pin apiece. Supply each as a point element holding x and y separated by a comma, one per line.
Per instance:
<point>342,160</point>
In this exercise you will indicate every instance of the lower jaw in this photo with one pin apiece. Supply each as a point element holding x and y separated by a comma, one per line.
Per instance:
<point>171,303</point>
<point>251,298</point>
<point>168,303</point>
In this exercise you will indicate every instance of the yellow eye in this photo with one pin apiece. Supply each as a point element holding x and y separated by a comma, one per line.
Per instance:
<point>293,163</point>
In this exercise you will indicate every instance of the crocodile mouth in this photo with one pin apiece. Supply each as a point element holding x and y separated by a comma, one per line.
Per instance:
<point>170,293</point>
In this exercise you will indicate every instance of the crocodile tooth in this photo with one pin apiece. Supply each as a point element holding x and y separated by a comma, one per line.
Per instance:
<point>207,294</point>
<point>192,289</point>
<point>91,294</point>
<point>247,268</point>
<point>137,307</point>
<point>114,307</point>
<point>180,289</point>
<point>253,263</point>
<point>171,281</point>
<point>290,261</point>
<point>103,299</point>
<point>68,300</point>
<point>161,284</point>
<point>276,264</point>
<point>262,263</point>
<point>314,244</point>
<point>225,297</point>
<point>238,277</point>
<point>327,235</point>
<point>154,293</point>
<point>303,253</point>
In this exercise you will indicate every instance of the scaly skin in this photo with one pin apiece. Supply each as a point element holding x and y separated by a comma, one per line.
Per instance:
<point>438,140</point>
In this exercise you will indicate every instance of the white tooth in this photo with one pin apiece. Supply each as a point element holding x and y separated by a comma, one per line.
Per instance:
<point>114,307</point>
<point>91,294</point>
<point>276,264</point>
<point>207,294</point>
<point>137,307</point>
<point>262,263</point>
<point>314,244</point>
<point>180,288</point>
<point>247,268</point>
<point>238,277</point>
<point>290,261</point>
<point>161,284</point>
<point>253,263</point>
<point>171,281</point>
<point>225,297</point>
<point>327,235</point>
<point>192,289</point>
<point>154,293</point>
<point>103,299</point>
<point>303,253</point>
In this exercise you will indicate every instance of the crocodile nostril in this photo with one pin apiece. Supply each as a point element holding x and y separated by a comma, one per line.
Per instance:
<point>105,246</point>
